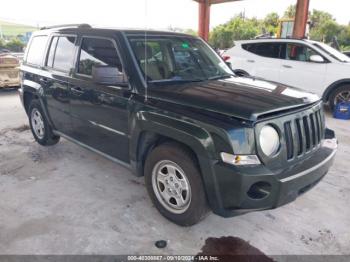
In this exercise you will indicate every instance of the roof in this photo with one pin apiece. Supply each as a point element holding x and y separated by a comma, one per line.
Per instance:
<point>87,28</point>
<point>272,40</point>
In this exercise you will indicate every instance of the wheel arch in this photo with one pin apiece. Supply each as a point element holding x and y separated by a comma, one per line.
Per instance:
<point>150,130</point>
<point>28,96</point>
<point>333,86</point>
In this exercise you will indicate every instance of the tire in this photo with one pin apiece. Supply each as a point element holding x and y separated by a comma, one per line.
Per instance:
<point>166,157</point>
<point>336,92</point>
<point>39,125</point>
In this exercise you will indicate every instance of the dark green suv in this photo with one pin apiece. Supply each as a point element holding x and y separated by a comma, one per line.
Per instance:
<point>169,108</point>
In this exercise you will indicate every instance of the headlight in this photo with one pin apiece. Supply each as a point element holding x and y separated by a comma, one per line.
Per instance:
<point>269,140</point>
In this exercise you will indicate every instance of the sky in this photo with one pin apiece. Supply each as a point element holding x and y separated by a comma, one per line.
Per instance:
<point>155,14</point>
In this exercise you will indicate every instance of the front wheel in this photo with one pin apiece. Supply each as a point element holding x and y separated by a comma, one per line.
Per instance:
<point>339,95</point>
<point>174,184</point>
<point>39,125</point>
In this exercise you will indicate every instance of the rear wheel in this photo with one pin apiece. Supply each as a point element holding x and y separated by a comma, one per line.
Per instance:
<point>39,125</point>
<point>339,95</point>
<point>174,184</point>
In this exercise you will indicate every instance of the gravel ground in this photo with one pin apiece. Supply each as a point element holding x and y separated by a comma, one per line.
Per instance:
<point>67,200</point>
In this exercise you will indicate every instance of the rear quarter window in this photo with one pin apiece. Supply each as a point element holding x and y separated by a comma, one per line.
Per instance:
<point>36,51</point>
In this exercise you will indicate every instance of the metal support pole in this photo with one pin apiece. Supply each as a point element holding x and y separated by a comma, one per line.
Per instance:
<point>204,19</point>
<point>301,17</point>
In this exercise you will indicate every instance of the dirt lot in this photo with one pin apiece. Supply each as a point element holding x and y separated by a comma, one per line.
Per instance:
<point>67,200</point>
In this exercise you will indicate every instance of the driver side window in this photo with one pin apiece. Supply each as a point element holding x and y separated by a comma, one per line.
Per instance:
<point>298,52</point>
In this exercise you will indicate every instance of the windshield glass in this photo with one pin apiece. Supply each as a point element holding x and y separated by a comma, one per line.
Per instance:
<point>176,58</point>
<point>333,52</point>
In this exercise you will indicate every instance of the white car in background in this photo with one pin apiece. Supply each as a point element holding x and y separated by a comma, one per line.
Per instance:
<point>310,65</point>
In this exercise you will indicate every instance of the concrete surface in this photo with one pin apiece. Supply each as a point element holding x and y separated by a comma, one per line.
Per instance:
<point>67,200</point>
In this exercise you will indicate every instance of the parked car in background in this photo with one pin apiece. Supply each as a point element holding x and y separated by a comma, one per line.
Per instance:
<point>310,65</point>
<point>170,109</point>
<point>9,71</point>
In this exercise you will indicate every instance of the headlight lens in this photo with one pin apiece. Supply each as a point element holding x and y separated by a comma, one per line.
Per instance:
<point>269,140</point>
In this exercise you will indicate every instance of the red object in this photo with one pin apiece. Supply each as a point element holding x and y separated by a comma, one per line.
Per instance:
<point>301,16</point>
<point>226,57</point>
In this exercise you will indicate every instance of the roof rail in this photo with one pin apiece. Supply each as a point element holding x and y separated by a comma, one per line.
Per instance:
<point>66,25</point>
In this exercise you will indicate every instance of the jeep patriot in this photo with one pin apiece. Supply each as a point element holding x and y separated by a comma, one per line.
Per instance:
<point>168,107</point>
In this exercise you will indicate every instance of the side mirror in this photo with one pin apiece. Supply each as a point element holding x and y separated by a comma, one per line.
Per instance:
<point>316,59</point>
<point>107,75</point>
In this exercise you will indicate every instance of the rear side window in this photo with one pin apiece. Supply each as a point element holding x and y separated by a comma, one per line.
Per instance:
<point>61,53</point>
<point>97,52</point>
<point>36,50</point>
<point>271,50</point>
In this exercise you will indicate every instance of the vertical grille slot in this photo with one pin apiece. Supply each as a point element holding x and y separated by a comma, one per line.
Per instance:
<point>300,137</point>
<point>313,129</point>
<point>289,140</point>
<point>318,125</point>
<point>307,132</point>
<point>320,128</point>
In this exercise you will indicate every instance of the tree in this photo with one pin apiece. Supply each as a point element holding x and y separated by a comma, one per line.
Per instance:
<point>323,28</point>
<point>318,17</point>
<point>2,43</point>
<point>290,11</point>
<point>190,32</point>
<point>271,19</point>
<point>236,29</point>
<point>15,45</point>
<point>270,23</point>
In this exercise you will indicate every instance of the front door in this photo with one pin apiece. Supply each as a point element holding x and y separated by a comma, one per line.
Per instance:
<point>100,112</point>
<point>297,70</point>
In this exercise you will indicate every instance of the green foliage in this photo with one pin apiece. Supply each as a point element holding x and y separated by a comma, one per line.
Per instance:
<point>236,29</point>
<point>290,12</point>
<point>15,45</point>
<point>2,43</point>
<point>323,28</point>
<point>190,32</point>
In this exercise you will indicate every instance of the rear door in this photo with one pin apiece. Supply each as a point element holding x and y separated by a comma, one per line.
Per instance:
<point>55,78</point>
<point>297,69</point>
<point>100,112</point>
<point>263,59</point>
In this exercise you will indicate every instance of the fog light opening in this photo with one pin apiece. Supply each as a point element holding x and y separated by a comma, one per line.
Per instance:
<point>259,190</point>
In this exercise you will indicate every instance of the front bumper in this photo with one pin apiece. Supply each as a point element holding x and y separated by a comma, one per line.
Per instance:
<point>249,188</point>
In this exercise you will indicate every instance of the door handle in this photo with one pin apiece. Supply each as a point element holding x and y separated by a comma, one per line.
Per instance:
<point>287,66</point>
<point>250,61</point>
<point>77,90</point>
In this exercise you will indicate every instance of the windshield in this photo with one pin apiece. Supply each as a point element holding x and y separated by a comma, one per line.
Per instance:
<point>176,58</point>
<point>333,52</point>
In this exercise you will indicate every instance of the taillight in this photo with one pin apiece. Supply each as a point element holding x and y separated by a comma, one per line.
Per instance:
<point>226,57</point>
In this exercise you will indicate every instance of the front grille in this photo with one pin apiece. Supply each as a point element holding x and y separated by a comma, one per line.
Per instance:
<point>303,134</point>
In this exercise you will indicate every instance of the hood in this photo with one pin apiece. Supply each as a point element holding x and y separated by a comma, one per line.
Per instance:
<point>240,97</point>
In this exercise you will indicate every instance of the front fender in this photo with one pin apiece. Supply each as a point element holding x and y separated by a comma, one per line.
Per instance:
<point>195,137</point>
